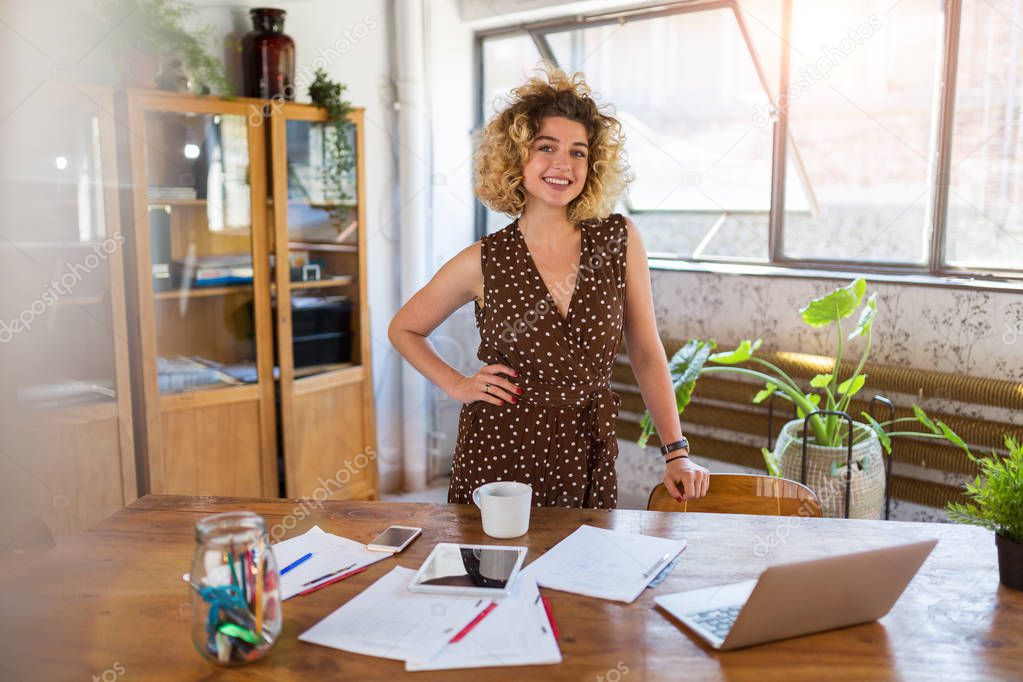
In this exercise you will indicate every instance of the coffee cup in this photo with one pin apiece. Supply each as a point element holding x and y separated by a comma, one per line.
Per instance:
<point>504,506</point>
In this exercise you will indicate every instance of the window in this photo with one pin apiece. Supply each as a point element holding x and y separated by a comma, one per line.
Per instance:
<point>865,115</point>
<point>862,83</point>
<point>703,170</point>
<point>985,199</point>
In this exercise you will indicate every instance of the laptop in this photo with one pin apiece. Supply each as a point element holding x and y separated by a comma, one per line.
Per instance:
<point>799,598</point>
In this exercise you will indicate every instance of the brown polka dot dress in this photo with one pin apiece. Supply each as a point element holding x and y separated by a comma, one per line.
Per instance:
<point>559,437</point>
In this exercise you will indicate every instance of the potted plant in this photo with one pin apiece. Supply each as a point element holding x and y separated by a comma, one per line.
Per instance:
<point>148,35</point>
<point>997,504</point>
<point>340,157</point>
<point>827,446</point>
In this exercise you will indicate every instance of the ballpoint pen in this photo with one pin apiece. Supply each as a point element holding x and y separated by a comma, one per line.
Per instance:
<point>327,575</point>
<point>295,563</point>
<point>657,565</point>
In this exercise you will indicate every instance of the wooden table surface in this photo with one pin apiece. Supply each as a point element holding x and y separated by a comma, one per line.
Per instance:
<point>110,604</point>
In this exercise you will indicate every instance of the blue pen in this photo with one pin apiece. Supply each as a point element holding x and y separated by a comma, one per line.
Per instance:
<point>294,563</point>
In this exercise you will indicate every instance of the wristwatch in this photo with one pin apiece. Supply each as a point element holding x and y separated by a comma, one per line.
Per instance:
<point>677,445</point>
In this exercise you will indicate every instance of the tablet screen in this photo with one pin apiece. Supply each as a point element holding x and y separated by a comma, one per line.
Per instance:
<point>490,567</point>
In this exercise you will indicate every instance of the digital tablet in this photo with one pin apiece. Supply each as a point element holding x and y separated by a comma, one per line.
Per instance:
<point>469,569</point>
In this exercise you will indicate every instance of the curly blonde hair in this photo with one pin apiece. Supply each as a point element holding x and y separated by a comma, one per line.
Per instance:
<point>504,146</point>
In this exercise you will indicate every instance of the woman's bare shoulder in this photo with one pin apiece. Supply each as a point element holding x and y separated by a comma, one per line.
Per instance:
<point>466,268</point>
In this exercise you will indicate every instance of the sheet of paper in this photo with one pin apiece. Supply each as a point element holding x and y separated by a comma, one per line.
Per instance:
<point>604,563</point>
<point>517,632</point>
<point>387,620</point>
<point>330,553</point>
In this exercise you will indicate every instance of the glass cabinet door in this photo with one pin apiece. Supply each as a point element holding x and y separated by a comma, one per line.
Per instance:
<point>65,406</point>
<point>323,254</point>
<point>199,205</point>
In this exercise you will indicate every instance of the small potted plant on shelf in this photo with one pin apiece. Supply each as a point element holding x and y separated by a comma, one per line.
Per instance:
<point>337,176</point>
<point>997,504</point>
<point>828,438</point>
<point>151,35</point>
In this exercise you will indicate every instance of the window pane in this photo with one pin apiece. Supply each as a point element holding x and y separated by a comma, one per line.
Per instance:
<point>507,63</point>
<point>985,202</point>
<point>685,88</point>
<point>861,106</point>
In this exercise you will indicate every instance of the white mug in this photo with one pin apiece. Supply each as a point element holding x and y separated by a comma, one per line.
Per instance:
<point>504,506</point>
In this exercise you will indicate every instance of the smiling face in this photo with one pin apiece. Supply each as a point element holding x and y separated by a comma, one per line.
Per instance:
<point>555,172</point>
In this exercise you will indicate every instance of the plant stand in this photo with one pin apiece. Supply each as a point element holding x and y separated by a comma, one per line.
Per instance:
<point>876,400</point>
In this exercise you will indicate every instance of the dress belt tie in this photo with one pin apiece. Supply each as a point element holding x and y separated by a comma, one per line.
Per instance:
<point>602,405</point>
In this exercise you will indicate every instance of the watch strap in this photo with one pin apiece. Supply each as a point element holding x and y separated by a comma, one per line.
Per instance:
<point>677,445</point>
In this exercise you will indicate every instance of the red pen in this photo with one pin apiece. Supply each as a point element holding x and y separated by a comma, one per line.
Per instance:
<point>473,623</point>
<point>550,617</point>
<point>331,582</point>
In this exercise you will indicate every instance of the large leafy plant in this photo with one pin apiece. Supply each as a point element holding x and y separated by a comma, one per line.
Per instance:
<point>996,494</point>
<point>828,392</point>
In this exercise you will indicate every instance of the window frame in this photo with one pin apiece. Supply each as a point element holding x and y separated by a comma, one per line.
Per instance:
<point>934,271</point>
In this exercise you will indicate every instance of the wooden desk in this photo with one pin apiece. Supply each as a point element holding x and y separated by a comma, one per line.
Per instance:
<point>114,597</point>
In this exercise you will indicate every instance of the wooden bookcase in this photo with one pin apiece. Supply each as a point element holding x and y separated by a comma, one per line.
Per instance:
<point>221,407</point>
<point>327,413</point>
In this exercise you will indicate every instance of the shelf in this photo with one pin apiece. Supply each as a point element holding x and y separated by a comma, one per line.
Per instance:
<point>199,292</point>
<point>325,205</point>
<point>175,202</point>
<point>320,369</point>
<point>323,246</point>
<point>323,283</point>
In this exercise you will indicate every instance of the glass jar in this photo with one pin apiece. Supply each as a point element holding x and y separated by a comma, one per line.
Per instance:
<point>269,56</point>
<point>235,589</point>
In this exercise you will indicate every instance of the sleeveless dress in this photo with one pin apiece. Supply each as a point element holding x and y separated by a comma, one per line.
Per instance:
<point>559,437</point>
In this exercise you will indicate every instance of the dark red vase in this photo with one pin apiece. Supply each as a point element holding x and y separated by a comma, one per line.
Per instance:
<point>269,56</point>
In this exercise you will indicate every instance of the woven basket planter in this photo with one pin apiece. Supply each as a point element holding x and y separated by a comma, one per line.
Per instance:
<point>825,470</point>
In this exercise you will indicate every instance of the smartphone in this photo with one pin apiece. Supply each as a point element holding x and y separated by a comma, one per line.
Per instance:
<point>394,539</point>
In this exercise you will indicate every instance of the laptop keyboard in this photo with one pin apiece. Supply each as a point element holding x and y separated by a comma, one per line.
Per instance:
<point>718,621</point>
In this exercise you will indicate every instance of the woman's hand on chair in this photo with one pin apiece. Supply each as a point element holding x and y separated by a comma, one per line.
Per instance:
<point>685,479</point>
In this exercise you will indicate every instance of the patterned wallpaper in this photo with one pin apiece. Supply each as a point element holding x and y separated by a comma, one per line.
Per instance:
<point>979,333</point>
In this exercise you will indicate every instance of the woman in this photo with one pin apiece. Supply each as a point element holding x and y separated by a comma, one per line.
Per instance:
<point>554,292</point>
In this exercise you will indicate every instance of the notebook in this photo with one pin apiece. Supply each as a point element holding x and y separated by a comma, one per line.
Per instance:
<point>606,564</point>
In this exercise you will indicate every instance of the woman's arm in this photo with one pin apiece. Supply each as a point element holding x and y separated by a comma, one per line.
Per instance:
<point>650,365</point>
<point>454,285</point>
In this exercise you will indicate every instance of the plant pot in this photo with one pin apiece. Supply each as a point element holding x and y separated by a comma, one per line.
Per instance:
<point>138,68</point>
<point>825,470</point>
<point>1010,562</point>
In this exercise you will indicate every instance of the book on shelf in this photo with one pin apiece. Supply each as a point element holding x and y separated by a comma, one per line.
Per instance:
<point>170,193</point>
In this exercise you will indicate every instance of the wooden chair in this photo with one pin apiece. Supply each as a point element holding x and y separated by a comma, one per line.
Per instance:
<point>744,494</point>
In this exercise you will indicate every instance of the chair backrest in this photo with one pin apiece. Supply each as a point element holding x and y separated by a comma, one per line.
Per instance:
<point>744,494</point>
